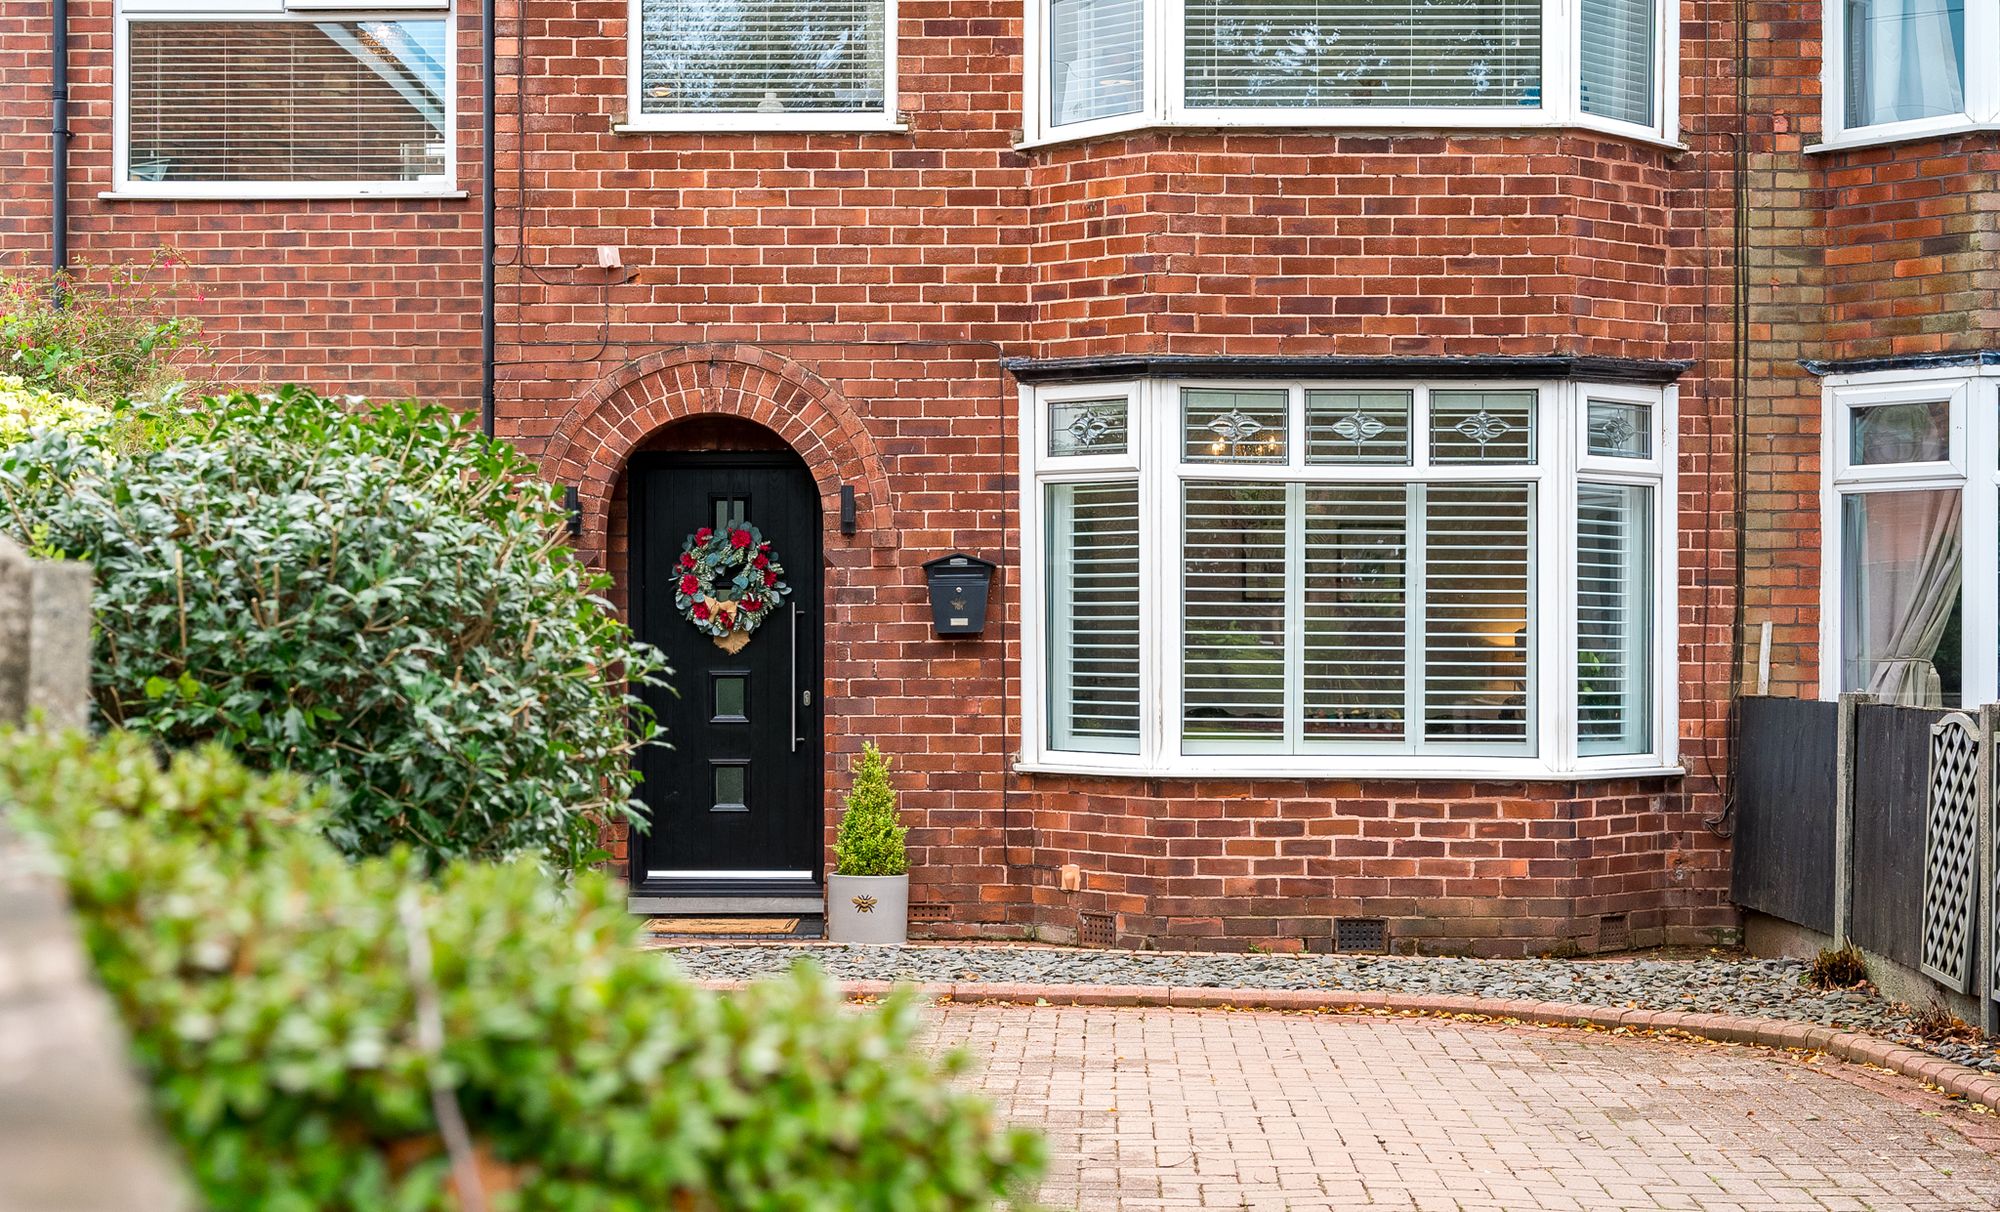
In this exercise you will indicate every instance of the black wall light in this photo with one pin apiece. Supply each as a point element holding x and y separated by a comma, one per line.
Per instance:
<point>960,587</point>
<point>847,525</point>
<point>573,506</point>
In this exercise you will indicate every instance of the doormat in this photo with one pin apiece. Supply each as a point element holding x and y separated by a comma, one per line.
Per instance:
<point>722,925</point>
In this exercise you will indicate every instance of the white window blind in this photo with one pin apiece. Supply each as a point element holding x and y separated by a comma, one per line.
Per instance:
<point>762,56</point>
<point>1614,618</point>
<point>1905,60</point>
<point>1093,616</point>
<point>1356,611</point>
<point>1097,59</point>
<point>287,101</point>
<point>1233,677</point>
<point>1362,53</point>
<point>1615,77</point>
<point>1478,586</point>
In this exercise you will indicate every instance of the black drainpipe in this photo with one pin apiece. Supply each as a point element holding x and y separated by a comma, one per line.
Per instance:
<point>59,139</point>
<point>488,91</point>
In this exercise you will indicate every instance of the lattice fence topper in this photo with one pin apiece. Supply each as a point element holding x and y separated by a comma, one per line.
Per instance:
<point>1951,853</point>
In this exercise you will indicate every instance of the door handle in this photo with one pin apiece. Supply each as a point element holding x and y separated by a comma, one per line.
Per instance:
<point>795,677</point>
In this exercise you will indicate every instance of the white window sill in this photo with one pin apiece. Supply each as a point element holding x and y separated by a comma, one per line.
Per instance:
<point>1885,136</point>
<point>1439,769</point>
<point>1348,124</point>
<point>734,124</point>
<point>229,193</point>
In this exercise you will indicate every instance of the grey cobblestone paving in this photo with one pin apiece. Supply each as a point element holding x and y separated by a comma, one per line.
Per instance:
<point>1180,1109</point>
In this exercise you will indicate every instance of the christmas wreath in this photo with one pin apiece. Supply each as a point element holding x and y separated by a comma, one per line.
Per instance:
<point>729,584</point>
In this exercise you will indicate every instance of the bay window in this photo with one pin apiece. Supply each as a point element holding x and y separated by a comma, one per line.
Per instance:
<point>1910,68</point>
<point>1348,578</point>
<point>282,99</point>
<point>1911,548</point>
<point>778,65</point>
<point>1105,65</point>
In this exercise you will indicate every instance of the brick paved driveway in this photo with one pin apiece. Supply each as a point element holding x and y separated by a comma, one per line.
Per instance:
<point>1185,1109</point>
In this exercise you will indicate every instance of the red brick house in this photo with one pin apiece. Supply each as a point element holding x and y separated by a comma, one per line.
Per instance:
<point>1393,423</point>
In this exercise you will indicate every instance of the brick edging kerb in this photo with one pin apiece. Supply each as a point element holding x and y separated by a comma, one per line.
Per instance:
<point>1854,1047</point>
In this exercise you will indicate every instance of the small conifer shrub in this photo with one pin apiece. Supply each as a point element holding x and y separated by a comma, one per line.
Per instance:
<point>871,840</point>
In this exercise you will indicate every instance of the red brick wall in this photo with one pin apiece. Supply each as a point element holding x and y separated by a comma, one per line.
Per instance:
<point>853,294</point>
<point>379,296</point>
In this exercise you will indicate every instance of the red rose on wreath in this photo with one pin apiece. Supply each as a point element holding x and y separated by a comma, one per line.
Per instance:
<point>728,583</point>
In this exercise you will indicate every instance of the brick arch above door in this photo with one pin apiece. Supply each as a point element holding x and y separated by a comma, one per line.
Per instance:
<point>592,444</point>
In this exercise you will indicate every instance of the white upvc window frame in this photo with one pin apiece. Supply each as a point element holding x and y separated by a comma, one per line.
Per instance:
<point>130,11</point>
<point>1973,468</point>
<point>1982,84</point>
<point>1155,458</point>
<point>1165,59</point>
<point>887,120</point>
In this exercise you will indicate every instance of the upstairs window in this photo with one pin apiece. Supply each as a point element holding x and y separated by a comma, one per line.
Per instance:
<point>763,64</point>
<point>1910,68</point>
<point>283,102</point>
<point>1106,65</point>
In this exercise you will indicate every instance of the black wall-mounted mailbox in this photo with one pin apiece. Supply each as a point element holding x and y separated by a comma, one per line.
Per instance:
<point>960,585</point>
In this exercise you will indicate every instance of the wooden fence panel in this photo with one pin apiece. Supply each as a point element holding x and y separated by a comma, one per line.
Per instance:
<point>1785,788</point>
<point>1892,748</point>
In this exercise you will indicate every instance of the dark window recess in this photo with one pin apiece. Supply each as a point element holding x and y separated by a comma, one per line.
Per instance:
<point>1097,930</point>
<point>730,697</point>
<point>732,787</point>
<point>1360,934</point>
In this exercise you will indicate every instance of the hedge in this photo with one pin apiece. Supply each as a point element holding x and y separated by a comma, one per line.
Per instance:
<point>370,594</point>
<point>269,988</point>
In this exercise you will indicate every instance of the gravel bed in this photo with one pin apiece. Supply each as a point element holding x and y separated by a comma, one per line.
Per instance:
<point>1768,988</point>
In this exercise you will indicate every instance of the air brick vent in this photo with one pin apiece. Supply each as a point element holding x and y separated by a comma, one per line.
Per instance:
<point>1097,930</point>
<point>1360,934</point>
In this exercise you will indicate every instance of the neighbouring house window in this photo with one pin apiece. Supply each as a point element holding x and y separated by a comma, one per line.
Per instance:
<point>1350,577</point>
<point>1905,60</point>
<point>1116,64</point>
<point>770,63</point>
<point>1905,484</point>
<point>241,102</point>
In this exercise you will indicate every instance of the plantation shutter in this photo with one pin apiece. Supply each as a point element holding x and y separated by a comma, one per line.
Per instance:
<point>1614,617</point>
<point>284,101</point>
<point>1616,73</point>
<point>1097,59</point>
<point>1356,607</point>
<point>1234,573</point>
<point>1478,581</point>
<point>1093,612</point>
<point>1341,53</point>
<point>762,56</point>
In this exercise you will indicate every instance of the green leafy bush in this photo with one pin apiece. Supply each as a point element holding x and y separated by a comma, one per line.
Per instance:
<point>270,992</point>
<point>25,409</point>
<point>870,839</point>
<point>99,333</point>
<point>368,594</point>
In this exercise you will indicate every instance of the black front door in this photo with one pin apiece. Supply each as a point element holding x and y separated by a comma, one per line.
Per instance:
<point>734,804</point>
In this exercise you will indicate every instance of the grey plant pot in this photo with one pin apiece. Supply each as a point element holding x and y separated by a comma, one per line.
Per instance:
<point>868,909</point>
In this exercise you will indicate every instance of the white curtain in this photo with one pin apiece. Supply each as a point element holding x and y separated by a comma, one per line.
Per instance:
<point>1905,60</point>
<point>1905,563</point>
